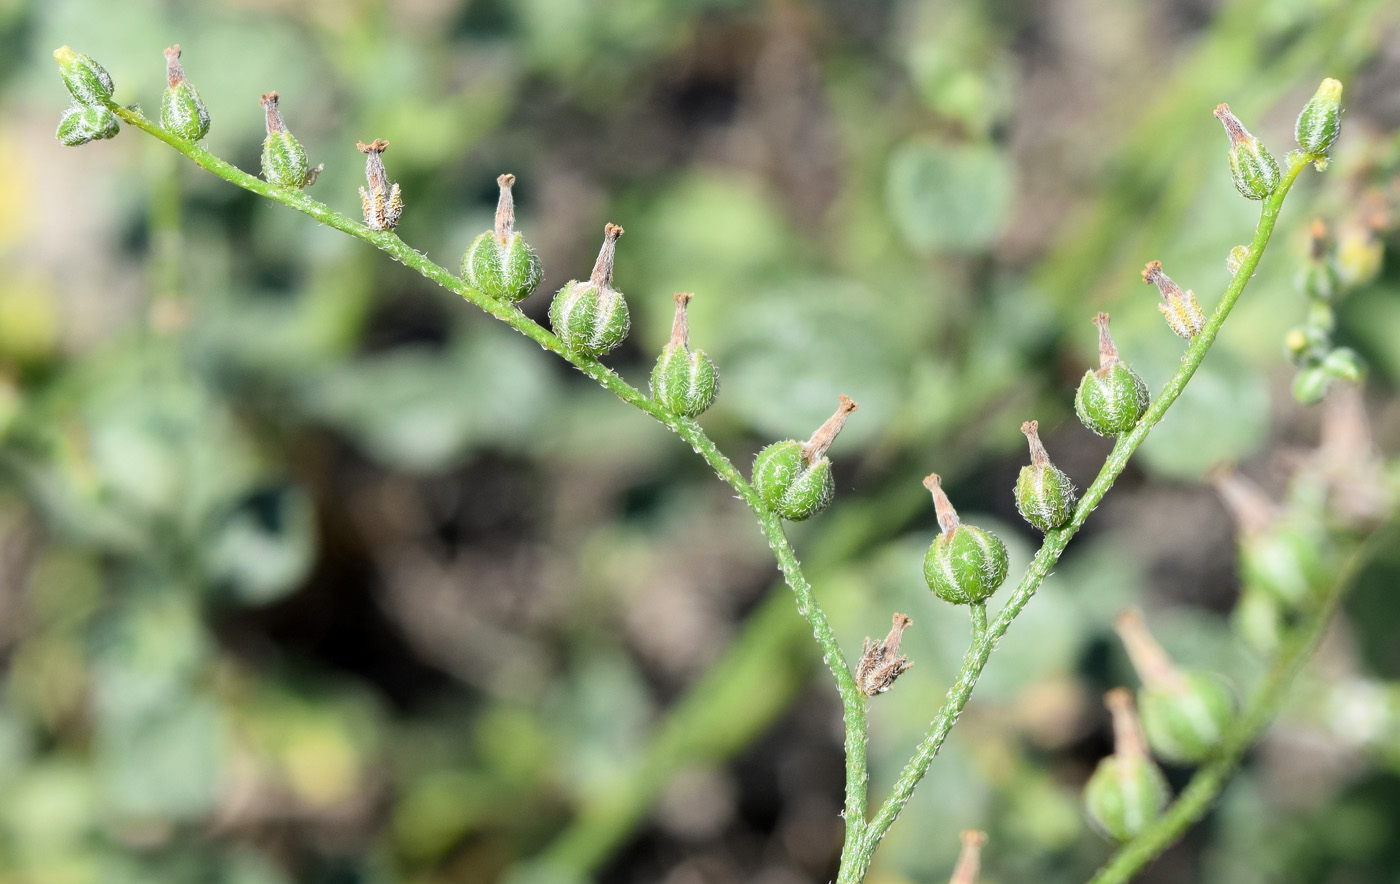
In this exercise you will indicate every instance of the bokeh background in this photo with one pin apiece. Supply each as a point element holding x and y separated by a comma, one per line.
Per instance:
<point>311,573</point>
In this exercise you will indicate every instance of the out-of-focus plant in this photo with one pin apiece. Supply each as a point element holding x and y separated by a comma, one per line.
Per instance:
<point>232,538</point>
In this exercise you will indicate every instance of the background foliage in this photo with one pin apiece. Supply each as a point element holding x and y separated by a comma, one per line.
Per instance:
<point>310,573</point>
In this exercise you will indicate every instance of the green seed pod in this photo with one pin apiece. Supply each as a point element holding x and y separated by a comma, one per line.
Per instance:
<point>1310,385</point>
<point>1183,314</point>
<point>82,123</point>
<point>794,480</point>
<point>182,112</point>
<point>965,564</point>
<point>381,202</point>
<point>1344,364</point>
<point>1127,790</point>
<point>1259,620</point>
<point>591,317</point>
<point>1253,169</point>
<point>1044,494</point>
<point>684,381</point>
<point>1235,260</point>
<point>1320,121</point>
<point>86,79</point>
<point>499,262</point>
<point>1285,553</point>
<point>1112,398</point>
<point>1184,711</point>
<point>283,158</point>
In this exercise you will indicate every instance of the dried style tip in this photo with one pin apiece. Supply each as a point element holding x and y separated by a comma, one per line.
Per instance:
<point>1185,712</point>
<point>964,564</point>
<point>793,479</point>
<point>880,664</point>
<point>592,317</point>
<point>683,381</point>
<point>1112,398</point>
<point>969,863</point>
<point>381,202</point>
<point>499,262</point>
<point>1127,791</point>
<point>821,440</point>
<point>1044,495</point>
<point>1183,314</point>
<point>1320,122</point>
<point>88,81</point>
<point>182,111</point>
<point>284,160</point>
<point>1253,169</point>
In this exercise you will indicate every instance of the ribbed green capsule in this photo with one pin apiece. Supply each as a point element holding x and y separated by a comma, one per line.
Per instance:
<point>284,160</point>
<point>794,479</point>
<point>1044,494</point>
<point>1285,553</point>
<point>1127,791</point>
<point>591,317</point>
<point>86,79</point>
<point>1253,169</point>
<point>82,123</point>
<point>964,564</point>
<point>1112,397</point>
<point>1320,121</point>
<point>684,381</point>
<point>1185,712</point>
<point>182,112</point>
<point>499,262</point>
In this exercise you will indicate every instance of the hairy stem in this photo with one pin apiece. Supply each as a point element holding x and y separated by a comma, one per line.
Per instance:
<point>1056,541</point>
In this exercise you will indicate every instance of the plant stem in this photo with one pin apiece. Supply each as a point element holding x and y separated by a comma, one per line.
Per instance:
<point>853,702</point>
<point>1205,786</point>
<point>1056,540</point>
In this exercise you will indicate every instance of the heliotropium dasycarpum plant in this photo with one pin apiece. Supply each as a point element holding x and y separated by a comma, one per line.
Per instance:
<point>1187,716</point>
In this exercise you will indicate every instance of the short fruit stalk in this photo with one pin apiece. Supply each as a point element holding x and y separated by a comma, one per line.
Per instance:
<point>793,479</point>
<point>1127,790</point>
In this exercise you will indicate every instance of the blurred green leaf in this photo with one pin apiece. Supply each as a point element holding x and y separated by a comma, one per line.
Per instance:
<point>949,197</point>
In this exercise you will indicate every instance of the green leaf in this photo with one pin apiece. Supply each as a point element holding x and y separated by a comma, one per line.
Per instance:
<point>947,197</point>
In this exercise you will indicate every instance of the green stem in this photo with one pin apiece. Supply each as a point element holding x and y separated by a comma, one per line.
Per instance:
<point>1205,786</point>
<point>852,700</point>
<point>1056,541</point>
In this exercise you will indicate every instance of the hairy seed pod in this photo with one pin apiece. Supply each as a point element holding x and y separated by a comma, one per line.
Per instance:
<point>1285,553</point>
<point>1252,167</point>
<point>1112,397</point>
<point>1044,495</point>
<point>182,112</point>
<point>1127,791</point>
<point>965,564</point>
<point>1182,313</point>
<point>284,160</point>
<point>794,479</point>
<point>82,123</point>
<point>499,262</point>
<point>1320,121</point>
<point>86,79</point>
<point>1344,364</point>
<point>1184,711</point>
<point>684,381</point>
<point>591,317</point>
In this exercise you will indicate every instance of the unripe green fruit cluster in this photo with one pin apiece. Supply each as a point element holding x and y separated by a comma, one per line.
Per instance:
<point>965,565</point>
<point>183,113</point>
<point>1320,121</point>
<point>791,486</point>
<point>1110,400</point>
<point>684,381</point>
<point>1185,722</point>
<point>1252,167</point>
<point>1044,494</point>
<point>88,118</point>
<point>591,317</point>
<point>83,123</point>
<point>507,271</point>
<point>1124,795</point>
<point>284,160</point>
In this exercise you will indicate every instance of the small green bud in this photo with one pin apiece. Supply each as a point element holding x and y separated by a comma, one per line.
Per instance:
<point>1344,364</point>
<point>969,863</point>
<point>1310,385</point>
<point>82,123</point>
<point>182,112</point>
<point>1183,314</point>
<point>684,381</point>
<point>1253,169</point>
<point>283,158</point>
<point>1127,790</point>
<point>592,317</point>
<point>1320,122</point>
<point>1044,494</point>
<point>794,480</point>
<point>965,564</point>
<point>499,262</point>
<point>1184,711</point>
<point>1235,260</point>
<point>86,79</point>
<point>1112,398</point>
<point>381,203</point>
